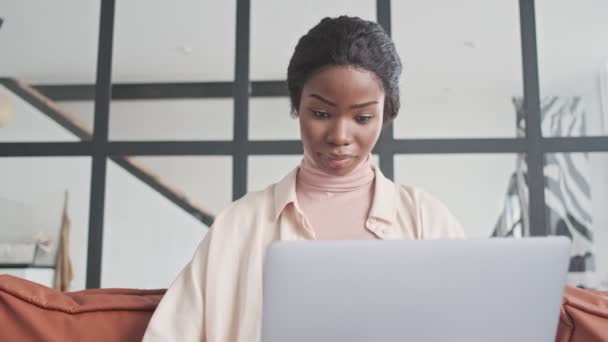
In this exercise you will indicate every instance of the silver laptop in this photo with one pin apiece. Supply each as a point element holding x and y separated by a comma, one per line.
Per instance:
<point>471,290</point>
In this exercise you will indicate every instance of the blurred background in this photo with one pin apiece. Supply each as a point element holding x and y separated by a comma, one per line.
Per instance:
<point>124,184</point>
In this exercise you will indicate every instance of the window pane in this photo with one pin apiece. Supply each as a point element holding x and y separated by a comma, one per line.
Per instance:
<point>270,119</point>
<point>184,119</point>
<point>145,230</point>
<point>276,28</point>
<point>32,198</point>
<point>475,187</point>
<point>462,68</point>
<point>573,67</point>
<point>158,41</point>
<point>576,188</point>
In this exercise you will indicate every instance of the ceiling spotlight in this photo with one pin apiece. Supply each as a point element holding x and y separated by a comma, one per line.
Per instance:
<point>185,49</point>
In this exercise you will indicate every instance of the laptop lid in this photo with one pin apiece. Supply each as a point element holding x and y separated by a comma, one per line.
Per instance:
<point>440,290</point>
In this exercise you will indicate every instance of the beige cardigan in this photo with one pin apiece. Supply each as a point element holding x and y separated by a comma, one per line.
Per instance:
<point>217,297</point>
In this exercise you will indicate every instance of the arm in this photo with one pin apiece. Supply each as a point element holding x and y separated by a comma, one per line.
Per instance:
<point>180,316</point>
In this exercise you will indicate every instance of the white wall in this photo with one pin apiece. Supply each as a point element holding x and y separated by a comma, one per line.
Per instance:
<point>270,119</point>
<point>570,58</point>
<point>147,239</point>
<point>40,183</point>
<point>481,179</point>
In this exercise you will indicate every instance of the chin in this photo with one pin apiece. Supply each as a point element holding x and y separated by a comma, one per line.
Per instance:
<point>341,170</point>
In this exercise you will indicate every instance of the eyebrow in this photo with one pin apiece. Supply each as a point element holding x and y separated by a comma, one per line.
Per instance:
<point>355,106</point>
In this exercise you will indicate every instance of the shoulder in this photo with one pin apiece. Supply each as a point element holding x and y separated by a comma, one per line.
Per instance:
<point>261,204</point>
<point>420,197</point>
<point>434,217</point>
<point>237,233</point>
<point>247,208</point>
<point>246,216</point>
<point>250,202</point>
<point>409,196</point>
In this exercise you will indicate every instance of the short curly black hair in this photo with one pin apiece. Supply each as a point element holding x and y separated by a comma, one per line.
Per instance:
<point>348,41</point>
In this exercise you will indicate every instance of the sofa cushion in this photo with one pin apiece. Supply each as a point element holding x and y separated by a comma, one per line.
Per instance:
<point>583,316</point>
<point>32,312</point>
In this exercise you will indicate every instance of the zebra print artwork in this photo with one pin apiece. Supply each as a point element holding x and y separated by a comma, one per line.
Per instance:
<point>567,188</point>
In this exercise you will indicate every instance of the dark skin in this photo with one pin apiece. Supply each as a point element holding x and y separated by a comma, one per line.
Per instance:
<point>341,117</point>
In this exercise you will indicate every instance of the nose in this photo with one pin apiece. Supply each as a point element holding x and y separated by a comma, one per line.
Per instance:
<point>339,133</point>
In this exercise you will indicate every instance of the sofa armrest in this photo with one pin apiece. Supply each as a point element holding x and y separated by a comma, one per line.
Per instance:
<point>32,312</point>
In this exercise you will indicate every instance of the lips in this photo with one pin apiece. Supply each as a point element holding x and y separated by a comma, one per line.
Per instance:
<point>335,156</point>
<point>338,161</point>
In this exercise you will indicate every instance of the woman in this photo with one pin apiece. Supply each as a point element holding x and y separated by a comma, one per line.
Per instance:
<point>343,83</point>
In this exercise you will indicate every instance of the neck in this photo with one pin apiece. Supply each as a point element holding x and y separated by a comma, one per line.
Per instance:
<point>311,177</point>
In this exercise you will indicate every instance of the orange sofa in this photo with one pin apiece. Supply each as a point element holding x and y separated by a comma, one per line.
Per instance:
<point>583,316</point>
<point>32,312</point>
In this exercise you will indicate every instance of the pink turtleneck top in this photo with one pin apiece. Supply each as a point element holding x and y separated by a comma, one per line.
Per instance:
<point>336,207</point>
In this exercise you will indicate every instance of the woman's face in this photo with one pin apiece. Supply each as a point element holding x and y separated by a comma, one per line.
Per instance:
<point>340,114</point>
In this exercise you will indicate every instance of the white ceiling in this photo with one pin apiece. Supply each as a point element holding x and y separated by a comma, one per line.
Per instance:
<point>276,27</point>
<point>571,44</point>
<point>457,45</point>
<point>446,45</point>
<point>56,42</point>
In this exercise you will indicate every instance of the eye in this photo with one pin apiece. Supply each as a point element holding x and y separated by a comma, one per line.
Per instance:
<point>319,114</point>
<point>363,118</point>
